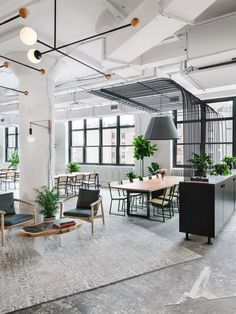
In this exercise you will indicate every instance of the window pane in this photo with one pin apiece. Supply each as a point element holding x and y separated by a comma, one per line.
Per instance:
<point>92,155</point>
<point>77,138</point>
<point>180,132</point>
<point>92,123</point>
<point>11,130</point>
<point>93,138</point>
<point>109,136</point>
<point>185,152</point>
<point>126,136</point>
<point>11,141</point>
<point>126,155</point>
<point>218,151</point>
<point>219,131</point>
<point>109,121</point>
<point>225,108</point>
<point>127,119</point>
<point>77,154</point>
<point>109,155</point>
<point>78,124</point>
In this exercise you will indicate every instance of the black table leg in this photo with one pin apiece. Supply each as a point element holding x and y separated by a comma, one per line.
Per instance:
<point>128,203</point>
<point>148,205</point>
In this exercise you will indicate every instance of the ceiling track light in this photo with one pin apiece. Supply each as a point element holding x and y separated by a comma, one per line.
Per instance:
<point>15,90</point>
<point>23,13</point>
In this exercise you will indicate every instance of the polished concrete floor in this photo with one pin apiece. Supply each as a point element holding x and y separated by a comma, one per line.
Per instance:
<point>203,286</point>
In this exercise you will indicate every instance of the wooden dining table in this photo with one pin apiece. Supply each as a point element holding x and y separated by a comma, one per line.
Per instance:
<point>147,187</point>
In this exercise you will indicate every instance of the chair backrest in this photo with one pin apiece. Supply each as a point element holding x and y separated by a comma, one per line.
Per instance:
<point>168,193</point>
<point>93,176</point>
<point>112,190</point>
<point>86,198</point>
<point>7,203</point>
<point>11,175</point>
<point>79,177</point>
<point>62,180</point>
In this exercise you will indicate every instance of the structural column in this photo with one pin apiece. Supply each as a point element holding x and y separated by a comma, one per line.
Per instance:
<point>36,158</point>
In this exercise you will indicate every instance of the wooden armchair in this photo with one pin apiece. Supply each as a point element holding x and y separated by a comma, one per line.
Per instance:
<point>9,216</point>
<point>89,207</point>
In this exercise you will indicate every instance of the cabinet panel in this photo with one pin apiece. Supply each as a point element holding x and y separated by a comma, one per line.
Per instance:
<point>228,198</point>
<point>219,207</point>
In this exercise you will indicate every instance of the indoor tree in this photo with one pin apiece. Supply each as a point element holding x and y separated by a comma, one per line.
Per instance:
<point>143,148</point>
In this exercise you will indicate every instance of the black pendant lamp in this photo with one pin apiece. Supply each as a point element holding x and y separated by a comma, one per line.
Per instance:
<point>161,128</point>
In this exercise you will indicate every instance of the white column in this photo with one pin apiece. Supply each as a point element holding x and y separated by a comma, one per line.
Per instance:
<point>61,146</point>
<point>36,158</point>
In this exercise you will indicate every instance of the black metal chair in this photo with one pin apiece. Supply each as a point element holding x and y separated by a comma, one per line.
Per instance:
<point>9,218</point>
<point>89,207</point>
<point>162,205</point>
<point>117,195</point>
<point>92,181</point>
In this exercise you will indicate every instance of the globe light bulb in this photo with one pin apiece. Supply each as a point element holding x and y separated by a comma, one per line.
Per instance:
<point>28,36</point>
<point>34,56</point>
<point>30,138</point>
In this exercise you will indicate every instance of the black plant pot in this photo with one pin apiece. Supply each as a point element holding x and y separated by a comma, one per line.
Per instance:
<point>200,173</point>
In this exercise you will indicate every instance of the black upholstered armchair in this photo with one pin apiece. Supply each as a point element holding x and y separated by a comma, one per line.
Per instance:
<point>9,212</point>
<point>89,207</point>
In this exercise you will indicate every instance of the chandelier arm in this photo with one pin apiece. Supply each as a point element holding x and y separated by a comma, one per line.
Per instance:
<point>68,56</point>
<point>88,38</point>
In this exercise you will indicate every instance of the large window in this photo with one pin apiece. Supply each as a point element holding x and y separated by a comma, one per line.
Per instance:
<point>216,148</point>
<point>102,141</point>
<point>12,141</point>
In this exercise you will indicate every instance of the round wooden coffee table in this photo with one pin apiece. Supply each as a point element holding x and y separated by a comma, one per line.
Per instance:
<point>47,229</point>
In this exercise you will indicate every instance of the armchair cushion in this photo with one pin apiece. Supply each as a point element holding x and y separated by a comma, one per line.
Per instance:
<point>7,203</point>
<point>78,212</point>
<point>86,198</point>
<point>11,220</point>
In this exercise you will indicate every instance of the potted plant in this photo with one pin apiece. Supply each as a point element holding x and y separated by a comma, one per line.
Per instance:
<point>153,168</point>
<point>14,160</point>
<point>48,201</point>
<point>131,175</point>
<point>229,160</point>
<point>143,148</point>
<point>73,167</point>
<point>221,169</point>
<point>201,163</point>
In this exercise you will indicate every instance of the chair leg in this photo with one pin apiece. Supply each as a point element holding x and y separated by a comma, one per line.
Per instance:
<point>110,207</point>
<point>2,229</point>
<point>92,226</point>
<point>103,217</point>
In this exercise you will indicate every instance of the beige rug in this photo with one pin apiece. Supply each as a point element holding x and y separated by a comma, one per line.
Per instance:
<point>33,271</point>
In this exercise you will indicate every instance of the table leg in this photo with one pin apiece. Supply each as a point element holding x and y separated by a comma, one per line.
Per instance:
<point>128,203</point>
<point>148,205</point>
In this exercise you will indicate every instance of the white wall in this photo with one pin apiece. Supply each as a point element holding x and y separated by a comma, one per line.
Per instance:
<point>164,154</point>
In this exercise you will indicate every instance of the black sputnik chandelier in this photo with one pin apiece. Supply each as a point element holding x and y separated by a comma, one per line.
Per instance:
<point>29,37</point>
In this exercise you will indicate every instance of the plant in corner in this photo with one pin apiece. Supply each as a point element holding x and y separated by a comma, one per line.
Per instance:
<point>73,166</point>
<point>201,163</point>
<point>48,201</point>
<point>14,160</point>
<point>143,148</point>
<point>153,168</point>
<point>229,160</point>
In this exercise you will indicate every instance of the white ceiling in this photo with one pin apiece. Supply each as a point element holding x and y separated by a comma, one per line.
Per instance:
<point>77,19</point>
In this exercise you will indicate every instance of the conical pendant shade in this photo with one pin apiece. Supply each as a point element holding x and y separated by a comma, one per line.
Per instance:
<point>161,128</point>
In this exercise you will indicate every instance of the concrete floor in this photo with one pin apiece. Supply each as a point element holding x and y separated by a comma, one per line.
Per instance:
<point>205,285</point>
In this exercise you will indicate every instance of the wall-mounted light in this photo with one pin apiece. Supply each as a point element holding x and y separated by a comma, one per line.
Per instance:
<point>41,123</point>
<point>28,36</point>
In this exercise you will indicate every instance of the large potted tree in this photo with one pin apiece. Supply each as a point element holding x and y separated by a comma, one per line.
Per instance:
<point>48,201</point>
<point>201,163</point>
<point>143,148</point>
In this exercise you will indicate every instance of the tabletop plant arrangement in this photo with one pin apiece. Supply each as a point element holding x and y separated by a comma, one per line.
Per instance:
<point>162,172</point>
<point>153,168</point>
<point>143,148</point>
<point>48,201</point>
<point>73,167</point>
<point>229,160</point>
<point>201,162</point>
<point>221,169</point>
<point>131,175</point>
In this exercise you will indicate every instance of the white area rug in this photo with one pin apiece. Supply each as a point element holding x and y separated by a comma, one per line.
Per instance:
<point>33,271</point>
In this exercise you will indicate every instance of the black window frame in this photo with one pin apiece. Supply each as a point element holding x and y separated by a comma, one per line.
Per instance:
<point>7,147</point>
<point>118,127</point>
<point>204,121</point>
